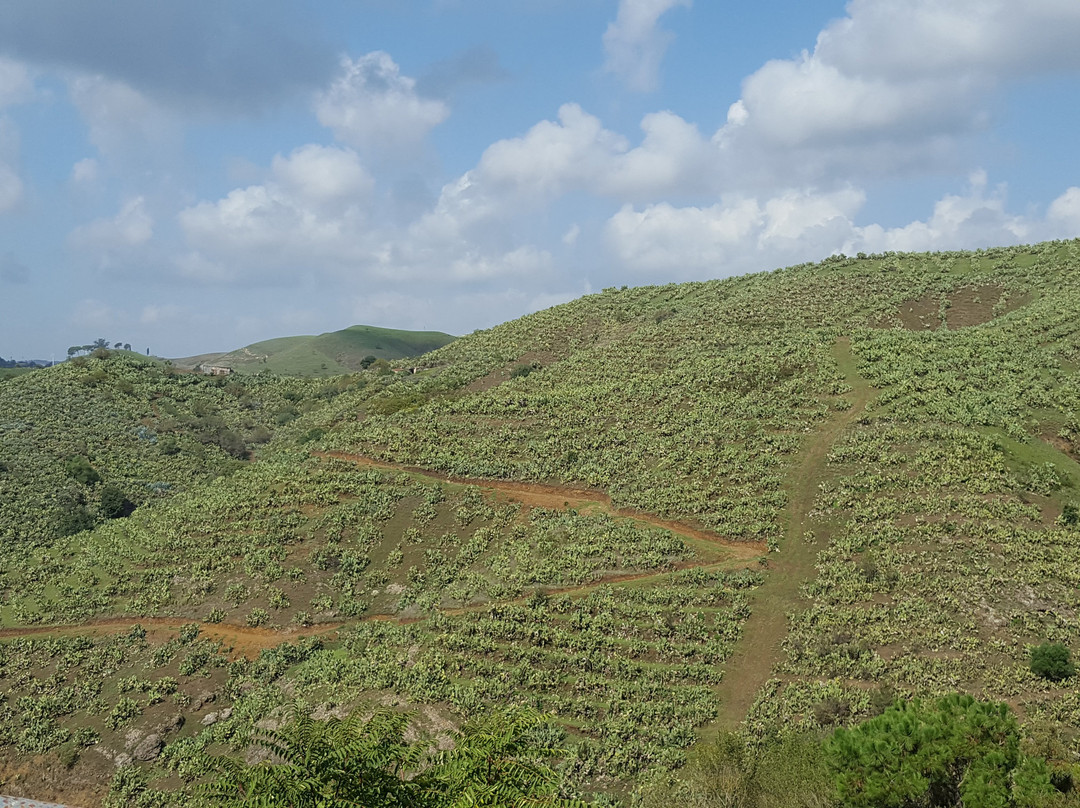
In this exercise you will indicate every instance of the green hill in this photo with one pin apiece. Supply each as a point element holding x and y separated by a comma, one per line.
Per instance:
<point>770,505</point>
<point>328,354</point>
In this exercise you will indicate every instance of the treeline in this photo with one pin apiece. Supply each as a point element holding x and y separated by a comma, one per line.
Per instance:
<point>100,344</point>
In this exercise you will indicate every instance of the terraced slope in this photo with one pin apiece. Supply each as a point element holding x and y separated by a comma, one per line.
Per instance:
<point>769,503</point>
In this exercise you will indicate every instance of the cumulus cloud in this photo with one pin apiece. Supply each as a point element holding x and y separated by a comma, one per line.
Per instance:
<point>85,170</point>
<point>744,234</point>
<point>634,45</point>
<point>894,85</point>
<point>236,56</point>
<point>1064,213</point>
<point>310,211</point>
<point>15,83</point>
<point>735,235</point>
<point>978,218</point>
<point>370,105</point>
<point>107,240</point>
<point>576,152</point>
<point>124,124</point>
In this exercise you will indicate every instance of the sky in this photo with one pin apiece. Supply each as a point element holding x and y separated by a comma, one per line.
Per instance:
<point>192,177</point>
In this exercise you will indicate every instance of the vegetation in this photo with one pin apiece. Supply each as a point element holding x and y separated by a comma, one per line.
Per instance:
<point>346,351</point>
<point>496,761</point>
<point>739,539</point>
<point>1052,661</point>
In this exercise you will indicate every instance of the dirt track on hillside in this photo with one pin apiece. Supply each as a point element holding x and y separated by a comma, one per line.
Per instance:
<point>243,641</point>
<point>543,495</point>
<point>760,647</point>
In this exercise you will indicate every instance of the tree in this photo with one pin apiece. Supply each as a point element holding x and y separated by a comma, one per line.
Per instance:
<point>79,468</point>
<point>1052,661</point>
<point>955,751</point>
<point>114,504</point>
<point>496,761</point>
<point>100,342</point>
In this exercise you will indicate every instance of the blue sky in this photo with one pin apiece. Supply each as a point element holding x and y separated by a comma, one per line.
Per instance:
<point>196,176</point>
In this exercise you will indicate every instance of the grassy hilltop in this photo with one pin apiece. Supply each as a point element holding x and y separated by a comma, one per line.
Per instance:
<point>324,355</point>
<point>769,504</point>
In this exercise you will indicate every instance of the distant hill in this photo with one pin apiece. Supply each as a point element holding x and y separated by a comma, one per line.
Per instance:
<point>327,354</point>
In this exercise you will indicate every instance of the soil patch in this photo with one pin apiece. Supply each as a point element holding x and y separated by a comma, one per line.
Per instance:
<point>242,641</point>
<point>500,375</point>
<point>963,308</point>
<point>543,495</point>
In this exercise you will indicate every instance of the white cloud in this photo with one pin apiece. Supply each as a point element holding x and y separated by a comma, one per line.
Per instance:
<point>85,170</point>
<point>371,106</point>
<point>1064,213</point>
<point>633,44</point>
<point>972,220</point>
<point>733,236</point>
<point>11,188</point>
<point>745,234</point>
<point>123,123</point>
<point>312,210</point>
<point>324,177</point>
<point>15,82</point>
<point>106,239</point>
<point>893,86</point>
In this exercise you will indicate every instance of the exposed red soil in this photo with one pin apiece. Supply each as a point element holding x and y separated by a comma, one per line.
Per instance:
<point>543,495</point>
<point>242,640</point>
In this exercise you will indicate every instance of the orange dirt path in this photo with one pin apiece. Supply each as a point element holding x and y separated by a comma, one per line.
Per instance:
<point>243,640</point>
<point>544,495</point>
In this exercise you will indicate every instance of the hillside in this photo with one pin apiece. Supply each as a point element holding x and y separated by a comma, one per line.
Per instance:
<point>324,355</point>
<point>769,504</point>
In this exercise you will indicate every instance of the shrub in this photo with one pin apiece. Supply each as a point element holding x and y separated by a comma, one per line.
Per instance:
<point>1052,661</point>
<point>114,504</point>
<point>79,468</point>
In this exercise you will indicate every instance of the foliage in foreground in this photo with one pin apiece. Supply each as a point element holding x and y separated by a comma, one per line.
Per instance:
<point>955,751</point>
<point>497,760</point>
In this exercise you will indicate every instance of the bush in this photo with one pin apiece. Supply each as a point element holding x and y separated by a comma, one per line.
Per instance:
<point>114,505</point>
<point>80,469</point>
<point>1052,661</point>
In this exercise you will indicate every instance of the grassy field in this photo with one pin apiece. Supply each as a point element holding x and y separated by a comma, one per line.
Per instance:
<point>324,355</point>
<point>766,504</point>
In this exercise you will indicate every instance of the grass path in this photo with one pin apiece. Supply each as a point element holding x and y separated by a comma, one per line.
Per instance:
<point>759,648</point>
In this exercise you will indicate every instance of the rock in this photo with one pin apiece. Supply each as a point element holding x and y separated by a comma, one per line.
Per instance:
<point>172,723</point>
<point>150,747</point>
<point>204,698</point>
<point>121,760</point>
<point>209,719</point>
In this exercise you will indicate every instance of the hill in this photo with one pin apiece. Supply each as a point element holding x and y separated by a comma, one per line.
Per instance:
<point>329,354</point>
<point>770,505</point>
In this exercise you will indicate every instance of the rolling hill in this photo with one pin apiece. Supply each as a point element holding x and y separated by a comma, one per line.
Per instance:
<point>673,517</point>
<point>327,354</point>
